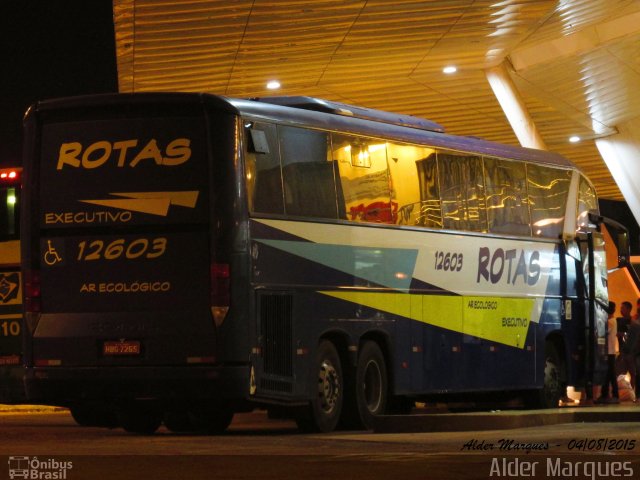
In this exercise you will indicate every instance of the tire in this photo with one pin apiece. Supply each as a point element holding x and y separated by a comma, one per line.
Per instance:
<point>323,412</point>
<point>178,421</point>
<point>372,386</point>
<point>140,418</point>
<point>94,415</point>
<point>212,420</point>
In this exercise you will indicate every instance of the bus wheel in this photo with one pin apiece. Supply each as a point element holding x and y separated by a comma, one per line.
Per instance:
<point>371,383</point>
<point>323,413</point>
<point>553,389</point>
<point>94,415</point>
<point>212,420</point>
<point>178,421</point>
<point>140,418</point>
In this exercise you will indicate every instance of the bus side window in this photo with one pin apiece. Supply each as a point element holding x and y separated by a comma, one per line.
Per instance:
<point>364,179</point>
<point>462,192</point>
<point>262,169</point>
<point>507,203</point>
<point>412,182</point>
<point>309,180</point>
<point>548,190</point>
<point>430,210</point>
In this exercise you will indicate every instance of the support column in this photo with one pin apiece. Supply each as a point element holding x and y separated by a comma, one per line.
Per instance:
<point>621,153</point>
<point>514,107</point>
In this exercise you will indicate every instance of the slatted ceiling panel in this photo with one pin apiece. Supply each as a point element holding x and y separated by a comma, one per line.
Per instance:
<point>389,55</point>
<point>595,83</point>
<point>560,78</point>
<point>167,34</point>
<point>573,15</point>
<point>302,37</point>
<point>611,79</point>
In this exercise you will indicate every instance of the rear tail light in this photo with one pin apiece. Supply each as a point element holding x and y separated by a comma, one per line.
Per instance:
<point>220,291</point>
<point>7,174</point>
<point>32,291</point>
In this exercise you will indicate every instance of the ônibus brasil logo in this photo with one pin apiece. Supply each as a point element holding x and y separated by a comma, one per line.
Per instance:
<point>38,469</point>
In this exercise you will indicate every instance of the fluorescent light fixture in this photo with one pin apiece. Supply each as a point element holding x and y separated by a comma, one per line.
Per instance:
<point>449,69</point>
<point>574,139</point>
<point>273,84</point>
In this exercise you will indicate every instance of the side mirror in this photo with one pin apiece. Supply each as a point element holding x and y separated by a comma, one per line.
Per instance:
<point>620,236</point>
<point>622,242</point>
<point>595,220</point>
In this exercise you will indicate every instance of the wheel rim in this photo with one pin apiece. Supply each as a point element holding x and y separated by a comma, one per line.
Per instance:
<point>328,387</point>
<point>372,386</point>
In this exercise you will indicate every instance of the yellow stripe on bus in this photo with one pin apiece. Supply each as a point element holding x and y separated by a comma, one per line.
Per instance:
<point>501,320</point>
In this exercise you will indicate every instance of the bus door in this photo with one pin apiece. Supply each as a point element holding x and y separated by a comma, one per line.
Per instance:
<point>596,301</point>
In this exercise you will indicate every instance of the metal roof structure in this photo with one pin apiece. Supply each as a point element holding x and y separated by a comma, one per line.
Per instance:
<point>575,63</point>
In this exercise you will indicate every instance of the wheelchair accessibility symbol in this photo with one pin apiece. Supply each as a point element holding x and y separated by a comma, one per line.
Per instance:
<point>51,255</point>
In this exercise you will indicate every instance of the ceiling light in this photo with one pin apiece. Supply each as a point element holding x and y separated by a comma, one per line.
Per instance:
<point>273,85</point>
<point>574,139</point>
<point>449,70</point>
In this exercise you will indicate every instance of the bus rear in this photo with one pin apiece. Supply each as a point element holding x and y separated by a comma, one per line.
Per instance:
<point>11,387</point>
<point>126,256</point>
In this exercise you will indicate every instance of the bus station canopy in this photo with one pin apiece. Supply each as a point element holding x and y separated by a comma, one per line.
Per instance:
<point>575,64</point>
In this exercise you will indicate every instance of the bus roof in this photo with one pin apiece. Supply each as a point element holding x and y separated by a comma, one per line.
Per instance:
<point>377,128</point>
<point>316,113</point>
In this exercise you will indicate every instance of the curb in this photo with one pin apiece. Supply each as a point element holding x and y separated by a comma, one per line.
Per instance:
<point>501,420</point>
<point>30,409</point>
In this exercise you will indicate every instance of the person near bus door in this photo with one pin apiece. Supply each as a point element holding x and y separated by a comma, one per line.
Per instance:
<point>622,326</point>
<point>631,354</point>
<point>612,351</point>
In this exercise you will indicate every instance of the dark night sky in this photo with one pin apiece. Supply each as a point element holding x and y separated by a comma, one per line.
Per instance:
<point>51,48</point>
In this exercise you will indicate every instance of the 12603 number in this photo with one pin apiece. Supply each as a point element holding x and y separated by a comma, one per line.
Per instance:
<point>449,262</point>
<point>138,248</point>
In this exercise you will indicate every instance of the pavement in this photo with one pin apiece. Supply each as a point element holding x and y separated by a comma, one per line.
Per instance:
<point>425,420</point>
<point>421,421</point>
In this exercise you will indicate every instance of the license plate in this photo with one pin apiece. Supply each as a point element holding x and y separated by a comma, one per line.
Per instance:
<point>125,347</point>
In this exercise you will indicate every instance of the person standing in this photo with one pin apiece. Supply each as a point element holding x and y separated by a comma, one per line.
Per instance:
<point>623,322</point>
<point>622,326</point>
<point>612,351</point>
<point>630,353</point>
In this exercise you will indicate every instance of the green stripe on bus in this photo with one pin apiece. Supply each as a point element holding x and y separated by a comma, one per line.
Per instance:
<point>389,267</point>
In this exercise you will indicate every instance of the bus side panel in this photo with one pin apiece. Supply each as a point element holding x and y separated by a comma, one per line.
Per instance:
<point>436,337</point>
<point>11,331</point>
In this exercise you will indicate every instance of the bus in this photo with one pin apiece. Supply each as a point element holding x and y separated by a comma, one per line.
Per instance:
<point>11,327</point>
<point>189,256</point>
